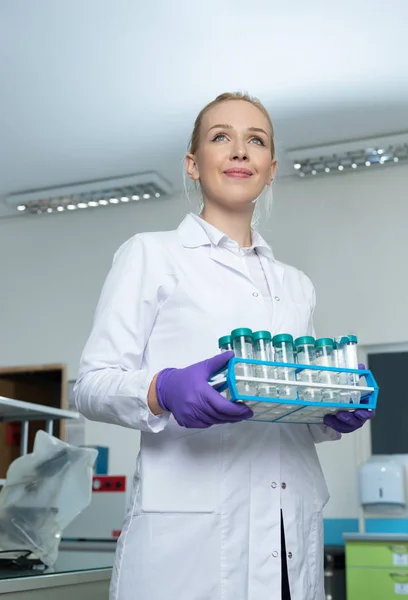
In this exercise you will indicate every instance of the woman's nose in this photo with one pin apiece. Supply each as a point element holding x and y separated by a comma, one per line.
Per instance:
<point>239,151</point>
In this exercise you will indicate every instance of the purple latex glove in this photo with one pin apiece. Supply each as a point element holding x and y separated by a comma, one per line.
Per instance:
<point>345,421</point>
<point>187,394</point>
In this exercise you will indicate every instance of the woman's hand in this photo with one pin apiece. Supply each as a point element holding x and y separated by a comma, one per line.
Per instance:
<point>187,394</point>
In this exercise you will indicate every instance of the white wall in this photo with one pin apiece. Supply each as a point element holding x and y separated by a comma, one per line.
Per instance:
<point>347,232</point>
<point>51,272</point>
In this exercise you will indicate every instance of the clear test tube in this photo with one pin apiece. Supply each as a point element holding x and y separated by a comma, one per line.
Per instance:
<point>225,343</point>
<point>352,363</point>
<point>325,358</point>
<point>306,355</point>
<point>263,350</point>
<point>242,345</point>
<point>341,362</point>
<point>284,352</point>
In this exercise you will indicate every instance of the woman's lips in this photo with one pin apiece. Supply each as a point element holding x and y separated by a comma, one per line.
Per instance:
<point>238,173</point>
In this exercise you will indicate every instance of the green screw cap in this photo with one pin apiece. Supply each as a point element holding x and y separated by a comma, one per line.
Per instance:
<point>341,340</point>
<point>241,332</point>
<point>261,335</point>
<point>224,341</point>
<point>353,339</point>
<point>281,338</point>
<point>305,340</point>
<point>324,342</point>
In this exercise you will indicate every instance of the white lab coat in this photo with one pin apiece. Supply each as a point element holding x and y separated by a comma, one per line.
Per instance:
<point>204,521</point>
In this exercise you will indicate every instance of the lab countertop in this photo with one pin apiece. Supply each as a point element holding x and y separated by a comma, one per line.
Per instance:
<point>376,537</point>
<point>74,561</point>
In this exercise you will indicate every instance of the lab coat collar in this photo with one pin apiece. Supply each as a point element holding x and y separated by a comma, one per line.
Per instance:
<point>195,232</point>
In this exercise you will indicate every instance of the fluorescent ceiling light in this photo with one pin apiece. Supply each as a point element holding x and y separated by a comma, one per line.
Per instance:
<point>350,156</point>
<point>90,194</point>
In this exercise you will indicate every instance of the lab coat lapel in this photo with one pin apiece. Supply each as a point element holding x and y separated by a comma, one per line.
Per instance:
<point>225,257</point>
<point>274,273</point>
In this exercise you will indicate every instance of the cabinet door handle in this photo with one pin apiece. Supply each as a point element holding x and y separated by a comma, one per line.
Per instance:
<point>398,549</point>
<point>401,577</point>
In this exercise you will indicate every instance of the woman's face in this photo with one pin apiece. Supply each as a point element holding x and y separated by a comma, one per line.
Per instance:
<point>233,162</point>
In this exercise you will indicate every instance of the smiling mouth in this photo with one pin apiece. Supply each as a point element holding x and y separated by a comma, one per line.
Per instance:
<point>238,173</point>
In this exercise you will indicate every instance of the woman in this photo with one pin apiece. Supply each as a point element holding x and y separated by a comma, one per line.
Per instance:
<point>210,487</point>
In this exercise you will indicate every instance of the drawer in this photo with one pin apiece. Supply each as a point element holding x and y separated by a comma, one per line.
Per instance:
<point>377,584</point>
<point>376,554</point>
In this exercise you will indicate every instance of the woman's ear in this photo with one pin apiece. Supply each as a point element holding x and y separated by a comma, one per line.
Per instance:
<point>192,167</point>
<point>272,172</point>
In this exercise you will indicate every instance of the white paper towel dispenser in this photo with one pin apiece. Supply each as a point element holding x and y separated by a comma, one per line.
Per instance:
<point>382,485</point>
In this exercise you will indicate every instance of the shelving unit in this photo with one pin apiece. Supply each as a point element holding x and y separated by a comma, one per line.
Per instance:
<point>17,411</point>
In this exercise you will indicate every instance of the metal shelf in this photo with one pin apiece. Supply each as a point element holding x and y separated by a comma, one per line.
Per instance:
<point>16,410</point>
<point>12,411</point>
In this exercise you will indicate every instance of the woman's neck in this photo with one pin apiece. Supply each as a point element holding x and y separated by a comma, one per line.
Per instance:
<point>235,226</point>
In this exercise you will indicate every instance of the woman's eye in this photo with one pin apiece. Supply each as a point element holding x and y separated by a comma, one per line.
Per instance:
<point>259,141</point>
<point>219,136</point>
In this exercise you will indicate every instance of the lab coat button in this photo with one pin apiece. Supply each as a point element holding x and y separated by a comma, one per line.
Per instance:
<point>284,486</point>
<point>273,485</point>
<point>275,554</point>
<point>255,294</point>
<point>277,298</point>
<point>290,554</point>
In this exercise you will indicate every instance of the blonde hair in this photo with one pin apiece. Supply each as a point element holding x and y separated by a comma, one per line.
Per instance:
<point>267,198</point>
<point>195,137</point>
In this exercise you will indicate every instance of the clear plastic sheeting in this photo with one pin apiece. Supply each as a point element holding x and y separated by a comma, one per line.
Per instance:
<point>44,491</point>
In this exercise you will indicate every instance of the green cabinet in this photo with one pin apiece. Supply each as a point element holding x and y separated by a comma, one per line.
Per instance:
<point>376,566</point>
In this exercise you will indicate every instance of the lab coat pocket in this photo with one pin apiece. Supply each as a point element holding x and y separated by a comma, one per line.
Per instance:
<point>181,474</point>
<point>320,491</point>
<point>322,495</point>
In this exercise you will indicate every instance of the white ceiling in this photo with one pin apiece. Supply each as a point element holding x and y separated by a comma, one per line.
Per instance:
<point>99,88</point>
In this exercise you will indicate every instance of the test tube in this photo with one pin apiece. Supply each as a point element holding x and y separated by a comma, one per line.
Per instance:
<point>263,350</point>
<point>243,347</point>
<point>225,343</point>
<point>283,352</point>
<point>306,355</point>
<point>352,363</point>
<point>325,358</point>
<point>341,362</point>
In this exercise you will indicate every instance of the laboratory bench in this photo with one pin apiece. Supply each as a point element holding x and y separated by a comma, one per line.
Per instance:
<point>82,572</point>
<point>376,565</point>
